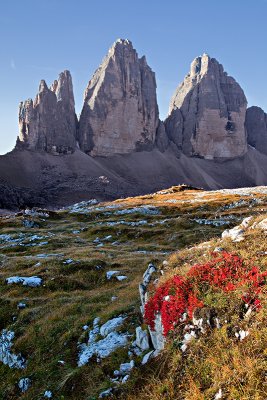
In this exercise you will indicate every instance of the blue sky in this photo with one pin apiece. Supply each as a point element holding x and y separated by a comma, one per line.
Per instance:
<point>40,38</point>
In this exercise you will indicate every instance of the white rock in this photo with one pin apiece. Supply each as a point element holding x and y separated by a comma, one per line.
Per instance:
<point>142,338</point>
<point>110,274</point>
<point>34,213</point>
<point>134,349</point>
<point>187,339</point>
<point>5,238</point>
<point>48,394</point>
<point>148,274</point>
<point>122,222</point>
<point>38,264</point>
<point>147,357</point>
<point>145,210</point>
<point>245,222</point>
<point>214,222</point>
<point>21,306</point>
<point>158,340</point>
<point>32,281</point>
<point>96,322</point>
<point>82,207</point>
<point>106,393</point>
<point>218,325</point>
<point>183,317</point>
<point>165,263</point>
<point>42,243</point>
<point>198,323</point>
<point>68,261</point>
<point>121,277</point>
<point>103,347</point>
<point>235,234</point>
<point>125,369</point>
<point>51,255</point>
<point>262,224</point>
<point>111,325</point>
<point>125,379</point>
<point>107,237</point>
<point>218,395</point>
<point>8,358</point>
<point>184,347</point>
<point>156,353</point>
<point>24,384</point>
<point>249,312</point>
<point>151,269</point>
<point>243,334</point>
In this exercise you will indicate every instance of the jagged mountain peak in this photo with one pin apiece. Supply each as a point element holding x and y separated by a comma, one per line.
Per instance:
<point>199,65</point>
<point>120,112</point>
<point>122,42</point>
<point>49,123</point>
<point>42,86</point>
<point>64,88</point>
<point>203,65</point>
<point>120,48</point>
<point>207,112</point>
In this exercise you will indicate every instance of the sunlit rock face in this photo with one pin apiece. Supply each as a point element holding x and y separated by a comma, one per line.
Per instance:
<point>207,113</point>
<point>49,123</point>
<point>120,111</point>
<point>256,125</point>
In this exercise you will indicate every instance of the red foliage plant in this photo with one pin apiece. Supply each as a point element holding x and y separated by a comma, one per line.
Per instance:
<point>180,294</point>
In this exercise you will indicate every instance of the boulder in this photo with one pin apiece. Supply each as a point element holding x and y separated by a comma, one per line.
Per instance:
<point>143,286</point>
<point>236,234</point>
<point>157,337</point>
<point>142,338</point>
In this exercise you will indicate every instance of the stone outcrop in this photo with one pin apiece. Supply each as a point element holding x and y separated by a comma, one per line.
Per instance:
<point>49,123</point>
<point>256,125</point>
<point>120,112</point>
<point>162,141</point>
<point>174,127</point>
<point>207,113</point>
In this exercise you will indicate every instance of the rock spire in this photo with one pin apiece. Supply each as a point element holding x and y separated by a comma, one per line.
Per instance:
<point>207,113</point>
<point>120,111</point>
<point>49,123</point>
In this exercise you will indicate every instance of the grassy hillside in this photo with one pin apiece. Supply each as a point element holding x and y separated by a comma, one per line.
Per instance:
<point>72,250</point>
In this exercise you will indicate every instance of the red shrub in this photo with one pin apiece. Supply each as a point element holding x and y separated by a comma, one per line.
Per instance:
<point>179,295</point>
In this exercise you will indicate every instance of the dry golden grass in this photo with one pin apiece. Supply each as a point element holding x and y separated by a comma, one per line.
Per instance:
<point>73,295</point>
<point>217,360</point>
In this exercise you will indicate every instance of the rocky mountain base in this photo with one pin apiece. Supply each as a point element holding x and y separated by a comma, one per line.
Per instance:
<point>58,181</point>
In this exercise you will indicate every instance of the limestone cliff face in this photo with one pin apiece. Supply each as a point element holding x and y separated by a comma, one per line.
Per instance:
<point>256,125</point>
<point>207,113</point>
<point>49,123</point>
<point>120,112</point>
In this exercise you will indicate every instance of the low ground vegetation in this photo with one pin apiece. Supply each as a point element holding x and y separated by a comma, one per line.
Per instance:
<point>72,252</point>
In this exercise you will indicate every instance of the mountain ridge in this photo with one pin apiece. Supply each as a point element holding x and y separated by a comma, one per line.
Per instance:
<point>119,147</point>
